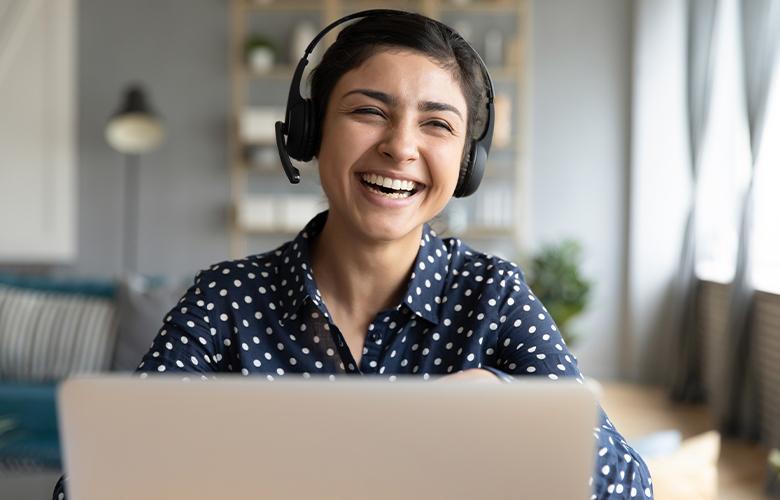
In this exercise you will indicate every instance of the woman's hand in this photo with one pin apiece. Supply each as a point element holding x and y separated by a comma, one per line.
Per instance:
<point>471,375</point>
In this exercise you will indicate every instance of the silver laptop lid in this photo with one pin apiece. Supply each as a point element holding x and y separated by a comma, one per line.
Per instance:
<point>247,438</point>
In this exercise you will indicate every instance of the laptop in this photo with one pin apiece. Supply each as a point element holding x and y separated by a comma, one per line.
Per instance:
<point>247,438</point>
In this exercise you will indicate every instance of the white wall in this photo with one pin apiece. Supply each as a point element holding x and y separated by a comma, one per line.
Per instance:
<point>579,91</point>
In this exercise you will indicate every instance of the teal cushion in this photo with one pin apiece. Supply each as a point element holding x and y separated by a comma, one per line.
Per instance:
<point>28,425</point>
<point>93,288</point>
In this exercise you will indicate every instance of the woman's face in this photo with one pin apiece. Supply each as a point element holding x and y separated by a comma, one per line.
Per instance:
<point>398,119</point>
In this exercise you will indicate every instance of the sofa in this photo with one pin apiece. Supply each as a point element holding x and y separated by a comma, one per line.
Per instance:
<point>51,328</point>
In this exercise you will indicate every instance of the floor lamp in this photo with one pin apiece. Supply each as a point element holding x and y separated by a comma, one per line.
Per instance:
<point>133,130</point>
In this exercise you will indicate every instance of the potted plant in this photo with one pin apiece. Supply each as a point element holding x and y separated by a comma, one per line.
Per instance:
<point>556,280</point>
<point>773,477</point>
<point>260,53</point>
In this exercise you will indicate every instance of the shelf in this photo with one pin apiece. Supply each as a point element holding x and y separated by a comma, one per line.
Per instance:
<point>276,73</point>
<point>272,233</point>
<point>474,7</point>
<point>504,72</point>
<point>274,212</point>
<point>262,169</point>
<point>348,6</point>
<point>487,232</point>
<point>283,5</point>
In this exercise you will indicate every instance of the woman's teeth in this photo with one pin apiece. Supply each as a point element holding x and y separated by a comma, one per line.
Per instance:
<point>391,188</point>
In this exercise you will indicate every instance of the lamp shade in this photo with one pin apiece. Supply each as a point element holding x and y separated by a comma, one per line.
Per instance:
<point>134,129</point>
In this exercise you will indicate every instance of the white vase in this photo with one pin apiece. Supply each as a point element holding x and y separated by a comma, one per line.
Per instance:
<point>261,59</point>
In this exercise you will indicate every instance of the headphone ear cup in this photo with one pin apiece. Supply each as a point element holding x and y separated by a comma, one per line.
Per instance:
<point>309,137</point>
<point>471,171</point>
<point>299,134</point>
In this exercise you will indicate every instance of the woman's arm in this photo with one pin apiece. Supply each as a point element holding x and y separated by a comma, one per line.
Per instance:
<point>530,344</point>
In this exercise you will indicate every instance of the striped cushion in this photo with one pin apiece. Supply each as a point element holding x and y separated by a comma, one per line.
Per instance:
<point>48,335</point>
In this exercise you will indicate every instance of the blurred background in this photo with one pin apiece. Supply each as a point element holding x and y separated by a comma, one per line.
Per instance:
<point>633,177</point>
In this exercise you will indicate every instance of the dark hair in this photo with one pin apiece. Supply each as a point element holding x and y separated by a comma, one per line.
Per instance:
<point>370,35</point>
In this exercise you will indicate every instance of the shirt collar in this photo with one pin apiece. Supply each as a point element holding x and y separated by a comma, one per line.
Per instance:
<point>294,265</point>
<point>424,290</point>
<point>424,294</point>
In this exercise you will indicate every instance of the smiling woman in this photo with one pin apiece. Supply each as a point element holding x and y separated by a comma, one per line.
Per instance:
<point>400,122</point>
<point>398,134</point>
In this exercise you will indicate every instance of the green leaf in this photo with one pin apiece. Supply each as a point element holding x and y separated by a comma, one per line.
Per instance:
<point>555,278</point>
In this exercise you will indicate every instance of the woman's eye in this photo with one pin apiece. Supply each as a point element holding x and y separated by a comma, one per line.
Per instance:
<point>368,111</point>
<point>440,124</point>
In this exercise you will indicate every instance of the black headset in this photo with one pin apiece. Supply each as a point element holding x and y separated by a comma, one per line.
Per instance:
<point>300,121</point>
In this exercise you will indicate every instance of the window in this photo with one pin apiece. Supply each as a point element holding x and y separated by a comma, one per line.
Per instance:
<point>765,244</point>
<point>725,162</point>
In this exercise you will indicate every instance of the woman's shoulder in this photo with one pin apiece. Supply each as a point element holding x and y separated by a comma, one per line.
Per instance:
<point>467,261</point>
<point>252,267</point>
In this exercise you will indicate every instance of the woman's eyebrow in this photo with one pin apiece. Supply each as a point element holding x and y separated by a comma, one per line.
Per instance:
<point>391,101</point>
<point>438,106</point>
<point>373,94</point>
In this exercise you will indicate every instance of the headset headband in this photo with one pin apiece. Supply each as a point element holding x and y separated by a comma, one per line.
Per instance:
<point>478,148</point>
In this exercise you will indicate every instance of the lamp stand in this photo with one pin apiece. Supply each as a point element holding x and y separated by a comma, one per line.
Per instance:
<point>130,240</point>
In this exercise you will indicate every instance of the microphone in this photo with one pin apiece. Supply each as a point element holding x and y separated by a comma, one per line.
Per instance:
<point>293,174</point>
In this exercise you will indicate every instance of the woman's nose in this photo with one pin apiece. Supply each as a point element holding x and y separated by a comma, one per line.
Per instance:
<point>400,143</point>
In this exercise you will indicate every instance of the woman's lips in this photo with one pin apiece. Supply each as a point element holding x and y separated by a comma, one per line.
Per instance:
<point>374,196</point>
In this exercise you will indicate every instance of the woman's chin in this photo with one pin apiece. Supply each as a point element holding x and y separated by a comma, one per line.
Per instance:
<point>387,227</point>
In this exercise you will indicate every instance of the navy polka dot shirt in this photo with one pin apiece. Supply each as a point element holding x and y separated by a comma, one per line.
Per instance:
<point>462,309</point>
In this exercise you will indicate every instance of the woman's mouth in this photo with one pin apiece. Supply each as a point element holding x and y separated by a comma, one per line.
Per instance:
<point>395,189</point>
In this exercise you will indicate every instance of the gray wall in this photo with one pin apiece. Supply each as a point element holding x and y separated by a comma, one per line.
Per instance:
<point>580,89</point>
<point>178,50</point>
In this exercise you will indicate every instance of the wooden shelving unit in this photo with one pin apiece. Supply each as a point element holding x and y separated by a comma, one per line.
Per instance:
<point>248,17</point>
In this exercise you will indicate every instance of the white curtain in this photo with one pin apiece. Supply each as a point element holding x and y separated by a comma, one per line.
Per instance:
<point>662,180</point>
<point>686,347</point>
<point>759,22</point>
